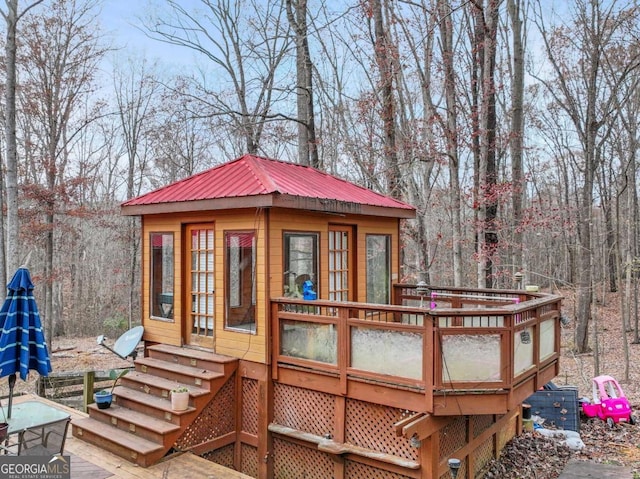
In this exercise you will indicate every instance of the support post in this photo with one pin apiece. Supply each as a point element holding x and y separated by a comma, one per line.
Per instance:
<point>87,389</point>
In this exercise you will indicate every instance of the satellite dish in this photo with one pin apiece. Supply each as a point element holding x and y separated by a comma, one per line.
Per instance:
<point>126,344</point>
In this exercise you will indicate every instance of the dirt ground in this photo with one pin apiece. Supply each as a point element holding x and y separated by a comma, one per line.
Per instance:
<point>70,354</point>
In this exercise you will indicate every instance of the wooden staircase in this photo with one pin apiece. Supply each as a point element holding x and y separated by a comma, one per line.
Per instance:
<point>140,425</point>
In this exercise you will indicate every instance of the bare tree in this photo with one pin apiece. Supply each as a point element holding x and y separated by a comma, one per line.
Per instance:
<point>577,57</point>
<point>57,79</point>
<point>244,48</point>
<point>135,93</point>
<point>10,258</point>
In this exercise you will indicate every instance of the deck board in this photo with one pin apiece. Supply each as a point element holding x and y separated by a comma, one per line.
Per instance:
<point>95,463</point>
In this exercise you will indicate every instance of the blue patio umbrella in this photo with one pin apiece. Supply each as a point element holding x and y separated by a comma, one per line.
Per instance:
<point>22,343</point>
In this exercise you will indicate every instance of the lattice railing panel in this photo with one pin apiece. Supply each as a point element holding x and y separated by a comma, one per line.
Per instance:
<point>483,455</point>
<point>215,420</point>
<point>249,464</point>
<point>303,409</point>
<point>370,426</point>
<point>222,456</point>
<point>453,437</point>
<point>505,435</point>
<point>480,424</point>
<point>250,405</point>
<point>356,470</point>
<point>292,461</point>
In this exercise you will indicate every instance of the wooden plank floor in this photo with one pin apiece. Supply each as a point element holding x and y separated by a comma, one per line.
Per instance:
<point>89,461</point>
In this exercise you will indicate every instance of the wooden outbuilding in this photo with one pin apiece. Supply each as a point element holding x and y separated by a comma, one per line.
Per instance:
<point>272,291</point>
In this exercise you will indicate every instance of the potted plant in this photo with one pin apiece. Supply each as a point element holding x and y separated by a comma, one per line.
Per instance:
<point>179,398</point>
<point>103,398</point>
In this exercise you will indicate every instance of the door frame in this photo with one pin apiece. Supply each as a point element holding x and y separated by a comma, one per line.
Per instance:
<point>188,336</point>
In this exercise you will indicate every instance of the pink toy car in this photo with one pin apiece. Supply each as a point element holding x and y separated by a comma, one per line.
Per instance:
<point>609,402</point>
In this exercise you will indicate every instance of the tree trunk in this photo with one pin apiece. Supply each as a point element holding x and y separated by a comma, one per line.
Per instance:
<point>13,223</point>
<point>307,145</point>
<point>383,53</point>
<point>451,132</point>
<point>517,130</point>
<point>485,35</point>
<point>10,258</point>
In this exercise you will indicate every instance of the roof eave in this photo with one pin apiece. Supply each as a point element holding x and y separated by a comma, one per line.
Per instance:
<point>271,200</point>
<point>258,201</point>
<point>340,207</point>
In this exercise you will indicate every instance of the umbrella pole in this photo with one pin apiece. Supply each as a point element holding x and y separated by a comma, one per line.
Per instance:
<point>12,383</point>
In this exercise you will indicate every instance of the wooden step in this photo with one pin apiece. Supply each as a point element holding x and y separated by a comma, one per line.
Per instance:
<point>134,422</point>
<point>154,406</point>
<point>128,446</point>
<point>176,372</point>
<point>141,426</point>
<point>193,357</point>
<point>158,386</point>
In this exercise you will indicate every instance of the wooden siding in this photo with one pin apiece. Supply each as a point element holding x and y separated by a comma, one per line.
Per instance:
<point>290,220</point>
<point>269,225</point>
<point>156,330</point>
<point>233,343</point>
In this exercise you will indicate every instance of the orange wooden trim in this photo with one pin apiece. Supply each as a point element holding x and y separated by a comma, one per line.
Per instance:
<point>269,336</point>
<point>237,450</point>
<point>423,426</point>
<point>386,395</point>
<point>470,403</point>
<point>340,418</point>
<point>391,381</point>
<point>399,426</point>
<point>316,380</point>
<point>213,444</point>
<point>247,438</point>
<point>344,349</point>
<point>275,336</point>
<point>265,440</point>
<point>333,447</point>
<point>522,391</point>
<point>253,370</point>
<point>428,362</point>
<point>308,363</point>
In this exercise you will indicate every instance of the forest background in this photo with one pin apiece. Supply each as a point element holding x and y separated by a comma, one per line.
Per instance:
<point>511,125</point>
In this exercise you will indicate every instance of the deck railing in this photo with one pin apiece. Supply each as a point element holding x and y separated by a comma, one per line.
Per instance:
<point>446,339</point>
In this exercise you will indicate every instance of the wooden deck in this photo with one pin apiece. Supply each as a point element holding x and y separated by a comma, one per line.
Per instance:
<point>90,461</point>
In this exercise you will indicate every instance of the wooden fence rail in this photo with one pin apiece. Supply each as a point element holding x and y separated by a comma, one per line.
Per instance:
<point>73,388</point>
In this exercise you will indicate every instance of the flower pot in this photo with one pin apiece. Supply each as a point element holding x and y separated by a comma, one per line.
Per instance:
<point>4,427</point>
<point>179,400</point>
<point>103,399</point>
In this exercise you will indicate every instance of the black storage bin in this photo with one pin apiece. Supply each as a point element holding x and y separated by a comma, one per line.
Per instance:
<point>558,406</point>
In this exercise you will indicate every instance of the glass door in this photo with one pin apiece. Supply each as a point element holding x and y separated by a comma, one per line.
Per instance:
<point>340,259</point>
<point>201,285</point>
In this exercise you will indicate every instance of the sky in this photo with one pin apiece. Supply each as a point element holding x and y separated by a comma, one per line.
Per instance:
<point>121,21</point>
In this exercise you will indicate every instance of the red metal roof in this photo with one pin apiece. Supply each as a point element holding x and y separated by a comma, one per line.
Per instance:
<point>254,176</point>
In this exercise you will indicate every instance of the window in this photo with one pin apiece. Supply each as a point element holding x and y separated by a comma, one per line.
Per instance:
<point>201,281</point>
<point>300,263</point>
<point>241,285</point>
<point>378,269</point>
<point>340,287</point>
<point>162,268</point>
